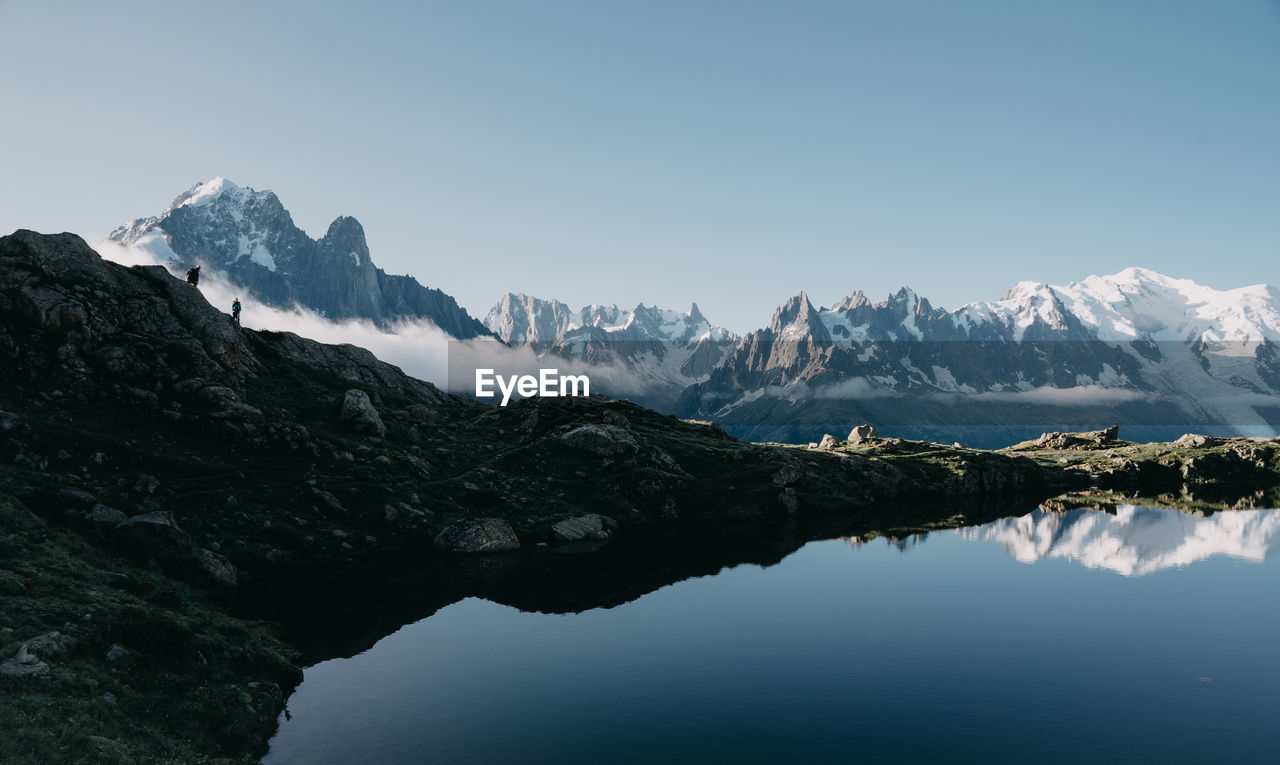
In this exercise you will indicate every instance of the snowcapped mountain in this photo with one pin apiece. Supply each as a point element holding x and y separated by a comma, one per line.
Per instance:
<point>663,350</point>
<point>1138,304</point>
<point>1136,347</point>
<point>248,238</point>
<point>1134,541</point>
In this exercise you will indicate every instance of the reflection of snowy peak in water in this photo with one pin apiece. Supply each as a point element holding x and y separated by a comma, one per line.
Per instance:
<point>1135,540</point>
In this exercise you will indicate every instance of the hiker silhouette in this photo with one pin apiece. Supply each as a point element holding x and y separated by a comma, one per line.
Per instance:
<point>235,311</point>
<point>193,276</point>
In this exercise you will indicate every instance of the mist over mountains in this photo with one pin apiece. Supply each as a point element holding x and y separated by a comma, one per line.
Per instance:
<point>248,238</point>
<point>1158,355</point>
<point>664,350</point>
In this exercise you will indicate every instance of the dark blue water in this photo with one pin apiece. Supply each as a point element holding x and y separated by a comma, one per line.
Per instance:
<point>1146,635</point>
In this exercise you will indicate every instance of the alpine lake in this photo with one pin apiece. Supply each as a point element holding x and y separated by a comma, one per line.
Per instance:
<point>1126,634</point>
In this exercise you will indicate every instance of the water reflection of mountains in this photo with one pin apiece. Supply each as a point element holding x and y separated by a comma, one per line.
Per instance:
<point>1133,540</point>
<point>343,612</point>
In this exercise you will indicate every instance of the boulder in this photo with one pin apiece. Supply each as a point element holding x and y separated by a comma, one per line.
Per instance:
<point>592,526</point>
<point>49,644</point>
<point>105,516</point>
<point>422,414</point>
<point>23,664</point>
<point>1091,439</point>
<point>27,663</point>
<point>862,433</point>
<point>10,420</point>
<point>786,475</point>
<point>146,484</point>
<point>156,534</point>
<point>360,415</point>
<point>606,440</point>
<point>216,567</point>
<point>483,535</point>
<point>828,442</point>
<point>1190,440</point>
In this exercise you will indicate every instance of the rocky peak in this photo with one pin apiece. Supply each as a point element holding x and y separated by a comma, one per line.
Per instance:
<point>345,229</point>
<point>345,238</point>
<point>518,319</point>
<point>206,193</point>
<point>248,238</point>
<point>856,300</point>
<point>600,316</point>
<point>798,319</point>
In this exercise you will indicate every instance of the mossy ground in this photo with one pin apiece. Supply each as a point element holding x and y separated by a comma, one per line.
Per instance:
<point>181,691</point>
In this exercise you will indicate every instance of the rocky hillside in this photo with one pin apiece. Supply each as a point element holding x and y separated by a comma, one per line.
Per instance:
<point>187,505</point>
<point>248,238</point>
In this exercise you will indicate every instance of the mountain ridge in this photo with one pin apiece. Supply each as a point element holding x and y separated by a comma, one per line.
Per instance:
<point>1136,346</point>
<point>665,350</point>
<point>249,238</point>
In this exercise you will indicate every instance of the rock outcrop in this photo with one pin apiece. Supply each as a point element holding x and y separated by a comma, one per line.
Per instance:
<point>484,535</point>
<point>360,415</point>
<point>861,433</point>
<point>1093,439</point>
<point>88,328</point>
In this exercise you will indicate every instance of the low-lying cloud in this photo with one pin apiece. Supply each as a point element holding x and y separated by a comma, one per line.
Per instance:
<point>854,387</point>
<point>1080,395</point>
<point>418,347</point>
<point>863,388</point>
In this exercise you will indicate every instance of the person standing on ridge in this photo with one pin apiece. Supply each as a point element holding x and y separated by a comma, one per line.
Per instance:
<point>235,311</point>
<point>193,276</point>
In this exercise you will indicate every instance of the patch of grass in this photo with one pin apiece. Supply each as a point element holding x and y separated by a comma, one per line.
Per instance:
<point>154,698</point>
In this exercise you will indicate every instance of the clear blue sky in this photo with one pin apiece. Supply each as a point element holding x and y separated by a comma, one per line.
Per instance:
<point>731,153</point>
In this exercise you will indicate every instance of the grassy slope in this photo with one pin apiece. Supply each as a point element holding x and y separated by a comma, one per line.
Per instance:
<point>181,692</point>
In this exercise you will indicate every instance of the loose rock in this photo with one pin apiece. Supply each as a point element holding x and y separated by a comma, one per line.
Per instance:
<point>862,433</point>
<point>216,567</point>
<point>592,526</point>
<point>601,439</point>
<point>155,533</point>
<point>478,536</point>
<point>105,516</point>
<point>360,415</point>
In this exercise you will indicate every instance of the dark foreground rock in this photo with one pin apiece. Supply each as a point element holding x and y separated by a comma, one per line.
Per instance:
<point>484,535</point>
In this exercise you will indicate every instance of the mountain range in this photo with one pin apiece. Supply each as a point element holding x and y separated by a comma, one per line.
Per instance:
<point>1157,355</point>
<point>1153,353</point>
<point>662,350</point>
